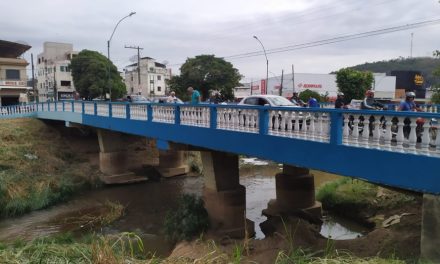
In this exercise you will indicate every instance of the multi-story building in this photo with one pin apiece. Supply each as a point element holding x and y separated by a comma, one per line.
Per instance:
<point>13,78</point>
<point>152,78</point>
<point>53,72</point>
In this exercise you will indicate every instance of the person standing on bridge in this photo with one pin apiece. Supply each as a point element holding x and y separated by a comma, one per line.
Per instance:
<point>195,95</point>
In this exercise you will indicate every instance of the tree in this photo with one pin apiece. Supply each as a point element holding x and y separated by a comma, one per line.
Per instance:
<point>306,94</point>
<point>353,83</point>
<point>90,72</point>
<point>436,87</point>
<point>206,73</point>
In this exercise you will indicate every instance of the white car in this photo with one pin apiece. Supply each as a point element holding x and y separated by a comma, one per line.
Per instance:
<point>268,100</point>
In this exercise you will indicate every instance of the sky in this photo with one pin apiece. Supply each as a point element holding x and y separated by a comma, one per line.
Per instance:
<point>174,30</point>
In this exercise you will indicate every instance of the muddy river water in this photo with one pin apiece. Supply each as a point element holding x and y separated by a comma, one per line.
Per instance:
<point>147,203</point>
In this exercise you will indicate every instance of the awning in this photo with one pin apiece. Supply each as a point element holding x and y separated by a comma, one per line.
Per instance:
<point>16,87</point>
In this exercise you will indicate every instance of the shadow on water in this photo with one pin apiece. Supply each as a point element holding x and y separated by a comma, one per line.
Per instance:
<point>146,206</point>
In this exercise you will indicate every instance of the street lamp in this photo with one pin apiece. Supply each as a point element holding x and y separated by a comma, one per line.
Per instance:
<point>267,61</point>
<point>108,50</point>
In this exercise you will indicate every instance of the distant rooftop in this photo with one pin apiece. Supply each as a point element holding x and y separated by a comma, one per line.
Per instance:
<point>12,49</point>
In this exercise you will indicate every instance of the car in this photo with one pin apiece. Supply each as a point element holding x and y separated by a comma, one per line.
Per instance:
<point>164,99</point>
<point>355,104</point>
<point>267,100</point>
<point>137,99</point>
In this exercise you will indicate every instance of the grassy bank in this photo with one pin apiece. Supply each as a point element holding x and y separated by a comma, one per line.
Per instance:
<point>360,198</point>
<point>37,166</point>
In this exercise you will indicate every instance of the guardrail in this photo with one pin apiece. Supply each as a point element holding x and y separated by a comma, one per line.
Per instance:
<point>408,132</point>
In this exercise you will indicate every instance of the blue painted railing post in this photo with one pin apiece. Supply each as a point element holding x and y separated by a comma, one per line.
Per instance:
<point>73,106</point>
<point>110,114</point>
<point>177,115</point>
<point>83,107</point>
<point>64,106</point>
<point>127,111</point>
<point>48,106</point>
<point>336,128</point>
<point>56,106</point>
<point>263,120</point>
<point>213,117</point>
<point>95,108</point>
<point>149,113</point>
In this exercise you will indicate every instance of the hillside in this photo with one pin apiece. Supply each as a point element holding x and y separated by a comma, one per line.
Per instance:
<point>424,64</point>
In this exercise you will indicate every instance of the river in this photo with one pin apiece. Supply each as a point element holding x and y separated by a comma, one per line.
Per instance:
<point>147,204</point>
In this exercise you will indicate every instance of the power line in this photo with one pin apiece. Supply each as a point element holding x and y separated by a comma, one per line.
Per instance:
<point>336,39</point>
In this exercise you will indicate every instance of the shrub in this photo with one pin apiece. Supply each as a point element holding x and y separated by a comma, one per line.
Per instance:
<point>188,220</point>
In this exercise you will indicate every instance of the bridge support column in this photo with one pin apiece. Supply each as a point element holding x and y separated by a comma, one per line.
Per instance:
<point>116,159</point>
<point>224,197</point>
<point>430,238</point>
<point>295,194</point>
<point>172,163</point>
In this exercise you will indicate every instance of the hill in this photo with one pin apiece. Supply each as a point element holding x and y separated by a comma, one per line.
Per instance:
<point>426,65</point>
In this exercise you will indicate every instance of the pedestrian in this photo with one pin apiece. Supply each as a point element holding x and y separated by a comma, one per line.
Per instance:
<point>172,97</point>
<point>339,103</point>
<point>195,95</point>
<point>313,102</point>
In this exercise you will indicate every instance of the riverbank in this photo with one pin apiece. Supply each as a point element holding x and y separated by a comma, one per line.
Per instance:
<point>38,166</point>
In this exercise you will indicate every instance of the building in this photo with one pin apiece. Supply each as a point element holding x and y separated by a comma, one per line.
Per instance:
<point>152,80</point>
<point>383,85</point>
<point>53,72</point>
<point>13,77</point>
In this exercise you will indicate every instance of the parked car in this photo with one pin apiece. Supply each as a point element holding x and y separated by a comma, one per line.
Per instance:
<point>268,100</point>
<point>164,99</point>
<point>137,99</point>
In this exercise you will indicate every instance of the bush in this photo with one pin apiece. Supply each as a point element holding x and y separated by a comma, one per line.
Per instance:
<point>188,220</point>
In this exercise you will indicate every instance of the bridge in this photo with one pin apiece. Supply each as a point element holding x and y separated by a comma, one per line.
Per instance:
<point>384,147</point>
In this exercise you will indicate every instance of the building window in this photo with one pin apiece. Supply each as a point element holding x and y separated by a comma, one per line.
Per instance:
<point>12,74</point>
<point>159,88</point>
<point>159,77</point>
<point>62,69</point>
<point>65,83</point>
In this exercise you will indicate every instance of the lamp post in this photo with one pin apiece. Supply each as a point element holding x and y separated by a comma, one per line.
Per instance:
<point>108,51</point>
<point>267,62</point>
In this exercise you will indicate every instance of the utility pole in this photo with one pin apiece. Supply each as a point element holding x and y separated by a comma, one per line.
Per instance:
<point>139,62</point>
<point>412,35</point>
<point>33,79</point>
<point>293,79</point>
<point>251,86</point>
<point>281,85</point>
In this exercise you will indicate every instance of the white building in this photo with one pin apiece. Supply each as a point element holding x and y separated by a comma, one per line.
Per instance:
<point>53,72</point>
<point>383,85</point>
<point>13,78</point>
<point>151,81</point>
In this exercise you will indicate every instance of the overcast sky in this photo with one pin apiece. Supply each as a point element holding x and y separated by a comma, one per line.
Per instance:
<point>174,30</point>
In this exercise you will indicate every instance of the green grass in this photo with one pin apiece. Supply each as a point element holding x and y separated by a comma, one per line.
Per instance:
<point>37,168</point>
<point>355,195</point>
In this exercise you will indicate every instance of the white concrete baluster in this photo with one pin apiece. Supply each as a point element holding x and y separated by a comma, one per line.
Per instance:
<point>425,138</point>
<point>242,118</point>
<point>412,136</point>
<point>355,134</point>
<point>270,131</point>
<point>276,126</point>
<point>388,133</point>
<point>297,125</point>
<point>304,127</point>
<point>346,129</point>
<point>366,131</point>
<point>399,136</point>
<point>312,130</point>
<point>290,117</point>
<point>320,134</point>
<point>376,132</point>
<point>255,120</point>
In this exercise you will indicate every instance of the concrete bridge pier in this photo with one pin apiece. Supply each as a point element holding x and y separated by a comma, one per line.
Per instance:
<point>224,197</point>
<point>295,194</point>
<point>116,159</point>
<point>172,163</point>
<point>430,237</point>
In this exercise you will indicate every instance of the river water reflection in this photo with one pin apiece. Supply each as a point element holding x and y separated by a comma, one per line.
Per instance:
<point>146,206</point>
